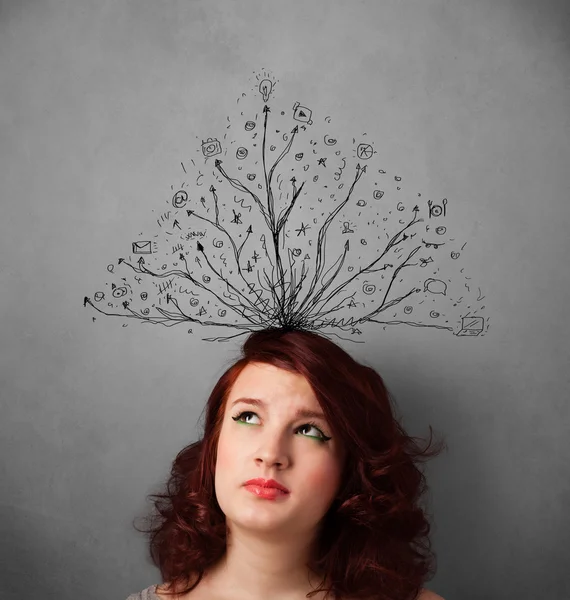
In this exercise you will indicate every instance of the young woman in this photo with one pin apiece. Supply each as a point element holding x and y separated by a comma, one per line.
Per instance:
<point>304,485</point>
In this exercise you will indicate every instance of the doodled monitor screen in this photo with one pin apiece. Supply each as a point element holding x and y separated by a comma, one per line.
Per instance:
<point>277,221</point>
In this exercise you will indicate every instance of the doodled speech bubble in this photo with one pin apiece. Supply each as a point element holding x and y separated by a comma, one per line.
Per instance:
<point>435,286</point>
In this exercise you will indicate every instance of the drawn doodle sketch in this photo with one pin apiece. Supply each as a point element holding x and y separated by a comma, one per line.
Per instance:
<point>277,221</point>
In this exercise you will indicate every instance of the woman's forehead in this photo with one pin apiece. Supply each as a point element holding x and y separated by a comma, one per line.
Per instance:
<point>267,382</point>
<point>263,374</point>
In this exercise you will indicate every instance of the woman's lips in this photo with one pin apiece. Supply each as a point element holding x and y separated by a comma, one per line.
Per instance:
<point>267,483</point>
<point>268,493</point>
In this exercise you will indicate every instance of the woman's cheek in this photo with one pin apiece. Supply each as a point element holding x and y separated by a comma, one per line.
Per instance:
<point>323,477</point>
<point>226,458</point>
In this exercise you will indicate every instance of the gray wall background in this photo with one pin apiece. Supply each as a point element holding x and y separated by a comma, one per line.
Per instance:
<point>99,101</point>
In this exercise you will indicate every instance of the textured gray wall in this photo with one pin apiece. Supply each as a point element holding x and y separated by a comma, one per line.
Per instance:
<point>99,101</point>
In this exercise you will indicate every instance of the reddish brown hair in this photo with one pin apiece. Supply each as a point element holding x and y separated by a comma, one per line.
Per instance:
<point>374,541</point>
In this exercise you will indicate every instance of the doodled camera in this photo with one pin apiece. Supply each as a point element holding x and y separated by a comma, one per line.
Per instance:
<point>211,147</point>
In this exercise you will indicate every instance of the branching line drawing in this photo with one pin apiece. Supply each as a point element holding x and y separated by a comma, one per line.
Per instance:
<point>290,282</point>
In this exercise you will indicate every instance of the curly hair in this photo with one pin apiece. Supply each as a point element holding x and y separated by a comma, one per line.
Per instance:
<point>374,542</point>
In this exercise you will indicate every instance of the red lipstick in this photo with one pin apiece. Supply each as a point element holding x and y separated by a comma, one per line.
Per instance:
<point>266,488</point>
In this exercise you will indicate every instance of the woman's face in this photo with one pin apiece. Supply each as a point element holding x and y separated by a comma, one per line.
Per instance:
<point>270,441</point>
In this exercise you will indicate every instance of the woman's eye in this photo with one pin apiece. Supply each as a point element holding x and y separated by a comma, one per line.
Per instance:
<point>242,417</point>
<point>308,427</point>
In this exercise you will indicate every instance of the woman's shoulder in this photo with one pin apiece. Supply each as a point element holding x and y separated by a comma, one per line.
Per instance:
<point>149,593</point>
<point>426,594</point>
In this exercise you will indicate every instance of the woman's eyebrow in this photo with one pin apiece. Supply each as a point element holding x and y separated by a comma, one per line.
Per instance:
<point>300,413</point>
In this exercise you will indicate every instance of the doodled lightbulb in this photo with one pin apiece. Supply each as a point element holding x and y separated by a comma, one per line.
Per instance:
<point>265,88</point>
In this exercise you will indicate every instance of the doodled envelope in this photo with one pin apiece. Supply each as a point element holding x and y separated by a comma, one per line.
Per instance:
<point>141,248</point>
